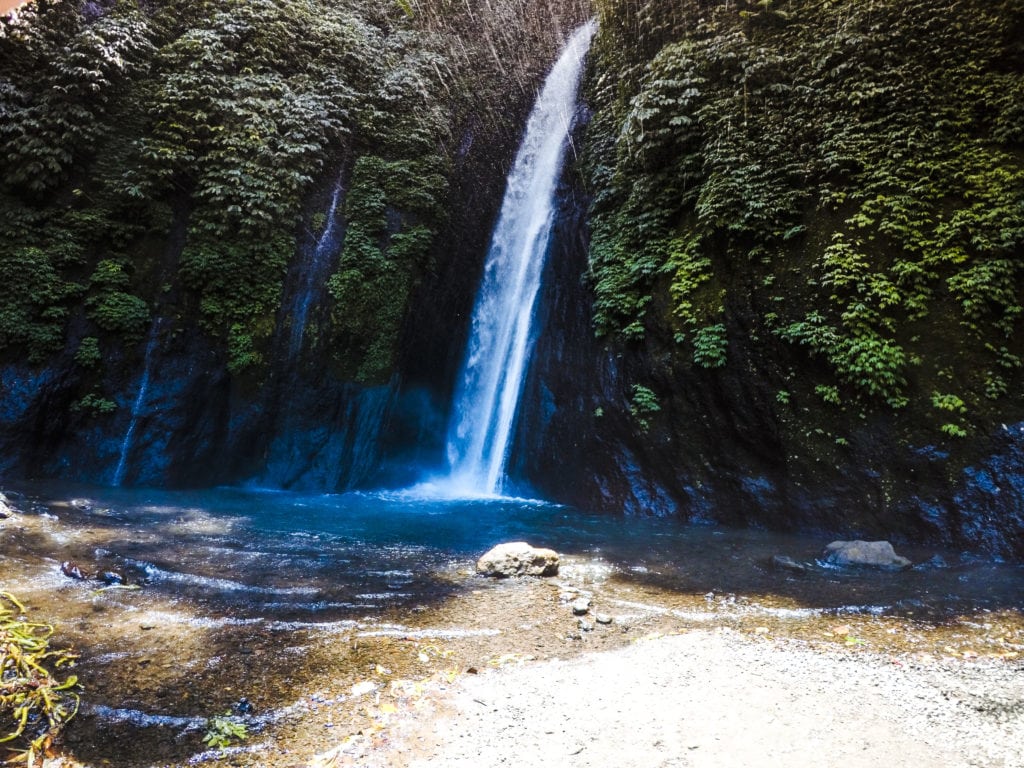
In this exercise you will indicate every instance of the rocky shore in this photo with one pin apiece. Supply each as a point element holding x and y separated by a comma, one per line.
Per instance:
<point>716,697</point>
<point>597,665</point>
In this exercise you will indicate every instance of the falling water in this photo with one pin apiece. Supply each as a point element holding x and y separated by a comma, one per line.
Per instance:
<point>500,336</point>
<point>325,246</point>
<point>137,405</point>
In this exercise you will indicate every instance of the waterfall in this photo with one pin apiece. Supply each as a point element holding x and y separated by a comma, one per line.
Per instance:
<point>311,274</point>
<point>137,405</point>
<point>501,335</point>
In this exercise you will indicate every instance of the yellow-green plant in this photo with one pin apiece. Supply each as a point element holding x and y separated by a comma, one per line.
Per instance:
<point>35,702</point>
<point>223,730</point>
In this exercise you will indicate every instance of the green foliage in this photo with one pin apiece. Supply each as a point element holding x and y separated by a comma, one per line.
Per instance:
<point>35,701</point>
<point>218,120</point>
<point>113,309</point>
<point>88,354</point>
<point>828,394</point>
<point>709,344</point>
<point>224,730</point>
<point>60,78</point>
<point>954,430</point>
<point>379,260</point>
<point>950,403</point>
<point>865,161</point>
<point>644,404</point>
<point>35,306</point>
<point>238,281</point>
<point>94,405</point>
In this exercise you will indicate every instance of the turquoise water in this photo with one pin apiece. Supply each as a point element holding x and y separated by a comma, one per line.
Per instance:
<point>294,556</point>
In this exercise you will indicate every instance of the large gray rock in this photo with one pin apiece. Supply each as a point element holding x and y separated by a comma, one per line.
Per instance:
<point>517,558</point>
<point>877,554</point>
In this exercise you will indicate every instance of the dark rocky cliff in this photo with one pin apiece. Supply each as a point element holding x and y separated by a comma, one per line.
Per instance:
<point>784,290</point>
<point>801,325</point>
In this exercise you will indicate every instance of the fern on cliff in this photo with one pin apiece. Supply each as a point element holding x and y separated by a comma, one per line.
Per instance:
<point>852,170</point>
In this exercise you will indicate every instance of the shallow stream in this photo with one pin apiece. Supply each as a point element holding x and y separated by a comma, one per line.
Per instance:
<point>289,600</point>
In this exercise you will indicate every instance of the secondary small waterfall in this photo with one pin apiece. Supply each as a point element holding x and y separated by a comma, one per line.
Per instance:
<point>138,405</point>
<point>501,334</point>
<point>327,244</point>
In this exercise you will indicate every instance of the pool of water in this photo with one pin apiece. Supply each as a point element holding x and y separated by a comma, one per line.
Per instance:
<point>251,553</point>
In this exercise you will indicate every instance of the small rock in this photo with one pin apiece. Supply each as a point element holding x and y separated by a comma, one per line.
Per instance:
<point>580,606</point>
<point>111,578</point>
<point>876,554</point>
<point>83,504</point>
<point>784,563</point>
<point>517,558</point>
<point>585,626</point>
<point>363,688</point>
<point>603,618</point>
<point>243,706</point>
<point>74,571</point>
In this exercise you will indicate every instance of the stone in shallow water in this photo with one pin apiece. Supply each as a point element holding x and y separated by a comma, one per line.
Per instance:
<point>580,606</point>
<point>785,563</point>
<point>877,554</point>
<point>517,558</point>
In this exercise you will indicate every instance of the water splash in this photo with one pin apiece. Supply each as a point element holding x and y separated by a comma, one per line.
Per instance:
<point>138,405</point>
<point>501,335</point>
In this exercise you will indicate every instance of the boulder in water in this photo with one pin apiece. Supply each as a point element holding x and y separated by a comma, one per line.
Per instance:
<point>5,508</point>
<point>876,554</point>
<point>517,558</point>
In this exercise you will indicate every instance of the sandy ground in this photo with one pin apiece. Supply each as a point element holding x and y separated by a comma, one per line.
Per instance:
<point>719,698</point>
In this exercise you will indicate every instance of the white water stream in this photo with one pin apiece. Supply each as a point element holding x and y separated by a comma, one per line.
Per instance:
<point>138,405</point>
<point>501,335</point>
<point>326,245</point>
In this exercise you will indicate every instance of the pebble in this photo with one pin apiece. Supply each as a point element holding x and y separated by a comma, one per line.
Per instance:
<point>603,618</point>
<point>111,578</point>
<point>585,626</point>
<point>73,571</point>
<point>580,606</point>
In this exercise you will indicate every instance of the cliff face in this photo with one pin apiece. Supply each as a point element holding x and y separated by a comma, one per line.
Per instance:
<point>242,243</point>
<point>805,228</point>
<point>220,224</point>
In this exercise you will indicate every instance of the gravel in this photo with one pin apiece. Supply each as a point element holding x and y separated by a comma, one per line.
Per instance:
<point>717,698</point>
